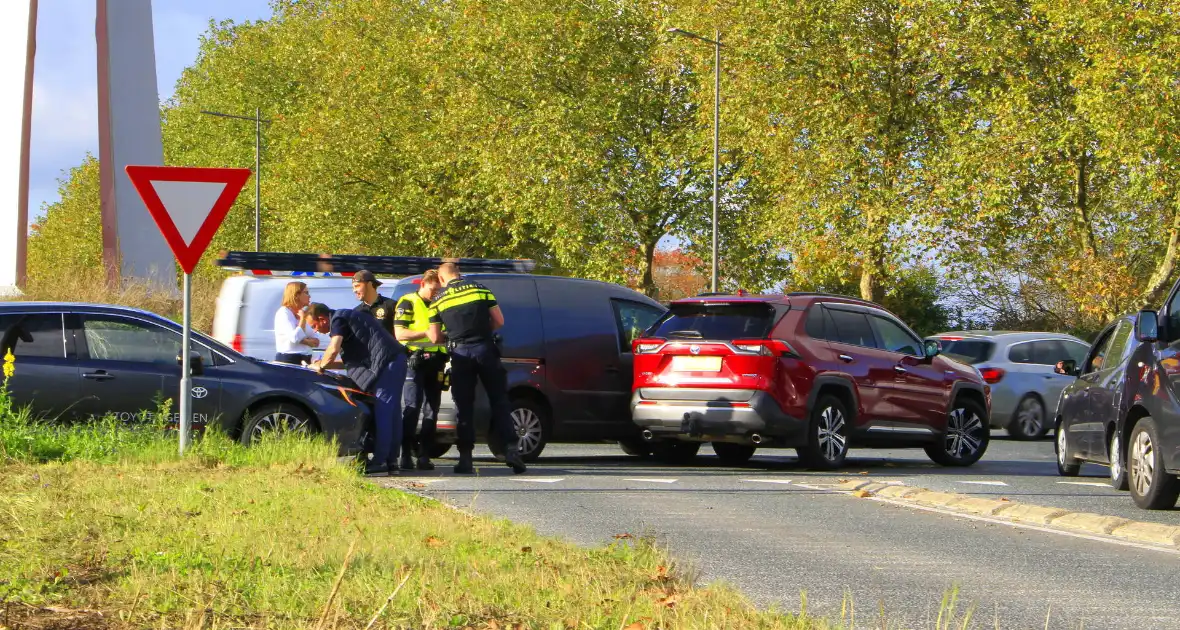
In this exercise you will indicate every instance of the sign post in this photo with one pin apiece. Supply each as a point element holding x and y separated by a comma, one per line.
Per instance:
<point>188,205</point>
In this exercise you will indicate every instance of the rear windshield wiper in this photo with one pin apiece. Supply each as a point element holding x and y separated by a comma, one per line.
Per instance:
<point>686,333</point>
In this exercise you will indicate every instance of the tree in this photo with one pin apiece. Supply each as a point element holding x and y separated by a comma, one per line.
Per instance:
<point>68,237</point>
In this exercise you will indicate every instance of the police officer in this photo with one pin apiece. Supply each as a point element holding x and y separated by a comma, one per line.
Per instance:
<point>376,362</point>
<point>364,287</point>
<point>469,314</point>
<point>423,390</point>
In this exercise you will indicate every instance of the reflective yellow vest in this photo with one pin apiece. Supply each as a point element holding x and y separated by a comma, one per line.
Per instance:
<point>416,318</point>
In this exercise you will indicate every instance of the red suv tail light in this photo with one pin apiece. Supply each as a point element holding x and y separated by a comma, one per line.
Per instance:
<point>991,375</point>
<point>236,344</point>
<point>646,346</point>
<point>765,347</point>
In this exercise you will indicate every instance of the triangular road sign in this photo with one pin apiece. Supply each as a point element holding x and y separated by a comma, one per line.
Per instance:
<point>188,204</point>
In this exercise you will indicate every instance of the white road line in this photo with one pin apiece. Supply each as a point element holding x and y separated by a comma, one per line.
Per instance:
<point>1093,484</point>
<point>538,479</point>
<point>651,480</point>
<point>996,521</point>
<point>782,481</point>
<point>985,483</point>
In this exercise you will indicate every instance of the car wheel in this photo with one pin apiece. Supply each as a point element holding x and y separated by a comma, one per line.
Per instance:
<point>1118,470</point>
<point>276,418</point>
<point>827,435</point>
<point>671,452</point>
<point>1066,466</point>
<point>966,437</point>
<point>1028,423</point>
<point>530,421</point>
<point>438,450</point>
<point>635,447</point>
<point>733,454</point>
<point>1152,488</point>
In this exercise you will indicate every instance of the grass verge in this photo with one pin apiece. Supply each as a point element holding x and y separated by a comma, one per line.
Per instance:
<point>283,537</point>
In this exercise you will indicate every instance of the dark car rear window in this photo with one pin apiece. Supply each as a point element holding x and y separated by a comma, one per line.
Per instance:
<point>724,321</point>
<point>970,351</point>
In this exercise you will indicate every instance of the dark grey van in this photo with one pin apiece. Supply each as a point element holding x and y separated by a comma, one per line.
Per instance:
<point>567,350</point>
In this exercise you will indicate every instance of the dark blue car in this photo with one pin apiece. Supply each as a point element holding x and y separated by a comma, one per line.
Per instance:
<point>77,361</point>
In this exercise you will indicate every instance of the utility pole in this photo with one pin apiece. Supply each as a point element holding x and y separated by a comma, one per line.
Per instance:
<point>258,120</point>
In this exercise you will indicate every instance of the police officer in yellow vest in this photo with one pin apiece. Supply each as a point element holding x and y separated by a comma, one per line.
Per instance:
<point>423,388</point>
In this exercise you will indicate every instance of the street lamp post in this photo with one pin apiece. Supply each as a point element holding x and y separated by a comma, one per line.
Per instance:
<point>716,42</point>
<point>258,120</point>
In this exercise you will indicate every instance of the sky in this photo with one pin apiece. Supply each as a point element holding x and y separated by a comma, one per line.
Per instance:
<point>65,90</point>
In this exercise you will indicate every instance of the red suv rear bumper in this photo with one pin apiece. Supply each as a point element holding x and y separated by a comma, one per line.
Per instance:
<point>715,414</point>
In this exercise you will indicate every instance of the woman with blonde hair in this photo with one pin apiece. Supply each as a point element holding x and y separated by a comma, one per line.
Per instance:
<point>294,337</point>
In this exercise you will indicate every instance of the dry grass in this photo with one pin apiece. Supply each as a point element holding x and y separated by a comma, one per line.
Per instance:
<point>90,286</point>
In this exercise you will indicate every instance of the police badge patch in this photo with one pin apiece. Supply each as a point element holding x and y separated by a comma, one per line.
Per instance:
<point>381,313</point>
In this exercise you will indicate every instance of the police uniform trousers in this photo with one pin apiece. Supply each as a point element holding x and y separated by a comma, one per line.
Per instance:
<point>480,361</point>
<point>387,431</point>
<point>422,394</point>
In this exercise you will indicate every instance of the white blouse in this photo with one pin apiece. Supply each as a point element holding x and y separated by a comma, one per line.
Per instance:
<point>288,334</point>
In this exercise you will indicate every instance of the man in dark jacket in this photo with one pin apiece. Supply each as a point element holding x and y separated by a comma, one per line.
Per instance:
<point>376,362</point>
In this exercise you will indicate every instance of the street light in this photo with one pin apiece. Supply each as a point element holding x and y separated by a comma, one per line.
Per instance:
<point>716,131</point>
<point>258,120</point>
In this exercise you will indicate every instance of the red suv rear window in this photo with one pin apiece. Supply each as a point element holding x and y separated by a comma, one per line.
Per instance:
<point>717,321</point>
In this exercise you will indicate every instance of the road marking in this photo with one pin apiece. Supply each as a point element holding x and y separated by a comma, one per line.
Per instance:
<point>997,521</point>
<point>783,481</point>
<point>1093,484</point>
<point>985,483</point>
<point>651,480</point>
<point>539,479</point>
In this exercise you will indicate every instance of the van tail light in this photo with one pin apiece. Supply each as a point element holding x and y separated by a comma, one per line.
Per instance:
<point>765,347</point>
<point>991,375</point>
<point>647,345</point>
<point>237,344</point>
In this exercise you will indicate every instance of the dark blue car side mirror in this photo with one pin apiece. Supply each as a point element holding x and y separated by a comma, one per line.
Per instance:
<point>1147,326</point>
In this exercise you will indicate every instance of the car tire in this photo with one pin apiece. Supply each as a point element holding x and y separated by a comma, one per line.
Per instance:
<point>1152,488</point>
<point>275,417</point>
<point>530,420</point>
<point>1118,467</point>
<point>438,450</point>
<point>635,447</point>
<point>966,438</point>
<point>1028,422</point>
<point>827,435</point>
<point>1066,466</point>
<point>673,452</point>
<point>732,454</point>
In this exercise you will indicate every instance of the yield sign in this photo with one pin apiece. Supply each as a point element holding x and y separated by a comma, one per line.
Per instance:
<point>188,204</point>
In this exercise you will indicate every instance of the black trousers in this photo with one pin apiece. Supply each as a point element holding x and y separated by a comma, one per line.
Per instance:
<point>292,358</point>
<point>480,362</point>
<point>422,394</point>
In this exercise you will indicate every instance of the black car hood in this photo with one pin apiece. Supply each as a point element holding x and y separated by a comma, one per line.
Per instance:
<point>307,375</point>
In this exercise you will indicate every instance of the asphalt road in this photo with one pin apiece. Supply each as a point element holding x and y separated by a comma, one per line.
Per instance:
<point>773,531</point>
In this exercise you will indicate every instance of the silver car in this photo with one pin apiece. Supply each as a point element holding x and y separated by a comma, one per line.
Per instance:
<point>1019,368</point>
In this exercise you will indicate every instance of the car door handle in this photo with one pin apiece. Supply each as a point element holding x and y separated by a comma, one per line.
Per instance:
<point>100,375</point>
<point>899,369</point>
<point>845,358</point>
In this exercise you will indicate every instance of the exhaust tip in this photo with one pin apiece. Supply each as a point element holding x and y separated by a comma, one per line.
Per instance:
<point>647,435</point>
<point>757,439</point>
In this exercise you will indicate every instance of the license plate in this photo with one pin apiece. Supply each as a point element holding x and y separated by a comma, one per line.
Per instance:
<point>696,364</point>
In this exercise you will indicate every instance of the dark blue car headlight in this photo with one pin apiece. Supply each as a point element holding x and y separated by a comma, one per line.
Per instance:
<point>348,394</point>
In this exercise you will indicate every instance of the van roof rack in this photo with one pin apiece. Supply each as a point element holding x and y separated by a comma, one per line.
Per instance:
<point>327,265</point>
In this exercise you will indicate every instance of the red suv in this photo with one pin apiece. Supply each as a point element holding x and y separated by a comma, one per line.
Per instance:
<point>815,372</point>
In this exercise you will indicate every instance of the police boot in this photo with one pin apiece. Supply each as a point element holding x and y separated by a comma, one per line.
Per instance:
<point>407,462</point>
<point>513,460</point>
<point>424,463</point>
<point>464,467</point>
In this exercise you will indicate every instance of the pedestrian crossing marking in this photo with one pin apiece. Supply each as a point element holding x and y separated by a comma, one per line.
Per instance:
<point>539,479</point>
<point>984,483</point>
<point>1093,484</point>
<point>782,481</point>
<point>650,480</point>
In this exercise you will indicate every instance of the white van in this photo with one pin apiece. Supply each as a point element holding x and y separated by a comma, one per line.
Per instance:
<point>246,306</point>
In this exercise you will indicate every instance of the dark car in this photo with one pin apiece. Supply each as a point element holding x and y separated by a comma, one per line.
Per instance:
<point>818,373</point>
<point>1122,409</point>
<point>567,350</point>
<point>77,361</point>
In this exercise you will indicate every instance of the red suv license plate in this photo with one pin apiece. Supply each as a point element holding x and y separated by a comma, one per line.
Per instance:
<point>696,364</point>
